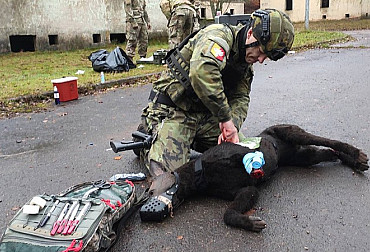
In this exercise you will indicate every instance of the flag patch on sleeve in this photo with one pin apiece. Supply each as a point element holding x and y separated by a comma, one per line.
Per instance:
<point>218,52</point>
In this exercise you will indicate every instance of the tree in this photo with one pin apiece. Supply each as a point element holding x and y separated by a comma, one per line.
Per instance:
<point>216,5</point>
<point>251,5</point>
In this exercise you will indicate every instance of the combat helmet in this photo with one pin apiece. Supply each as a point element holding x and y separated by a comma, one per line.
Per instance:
<point>274,32</point>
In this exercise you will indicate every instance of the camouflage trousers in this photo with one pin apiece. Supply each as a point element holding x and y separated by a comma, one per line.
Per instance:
<point>180,25</point>
<point>175,133</point>
<point>136,35</point>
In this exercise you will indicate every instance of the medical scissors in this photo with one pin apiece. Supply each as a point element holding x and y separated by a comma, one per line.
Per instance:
<point>101,184</point>
<point>97,185</point>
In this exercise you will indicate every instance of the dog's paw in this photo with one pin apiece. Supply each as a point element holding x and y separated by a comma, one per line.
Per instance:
<point>357,161</point>
<point>362,161</point>
<point>257,223</point>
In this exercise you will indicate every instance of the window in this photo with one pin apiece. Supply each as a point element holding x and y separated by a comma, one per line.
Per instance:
<point>347,15</point>
<point>53,39</point>
<point>323,16</point>
<point>324,3</point>
<point>117,38</point>
<point>203,12</point>
<point>96,38</point>
<point>22,43</point>
<point>288,5</point>
<point>232,11</point>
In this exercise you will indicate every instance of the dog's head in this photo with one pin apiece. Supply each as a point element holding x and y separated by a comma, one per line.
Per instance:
<point>161,183</point>
<point>161,180</point>
<point>163,198</point>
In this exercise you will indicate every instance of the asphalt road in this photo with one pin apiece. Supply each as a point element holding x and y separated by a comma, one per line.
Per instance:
<point>320,208</point>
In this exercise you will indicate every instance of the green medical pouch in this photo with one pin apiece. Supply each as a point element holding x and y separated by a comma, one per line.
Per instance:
<point>108,205</point>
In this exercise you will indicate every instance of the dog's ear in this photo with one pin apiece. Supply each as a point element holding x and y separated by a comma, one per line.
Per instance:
<point>156,168</point>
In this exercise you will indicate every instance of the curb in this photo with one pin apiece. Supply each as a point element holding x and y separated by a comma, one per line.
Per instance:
<point>86,90</point>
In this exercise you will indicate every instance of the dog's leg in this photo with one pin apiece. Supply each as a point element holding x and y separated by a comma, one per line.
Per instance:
<point>311,155</point>
<point>244,201</point>
<point>349,154</point>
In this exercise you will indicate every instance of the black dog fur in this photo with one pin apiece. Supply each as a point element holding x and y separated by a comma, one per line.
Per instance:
<point>224,175</point>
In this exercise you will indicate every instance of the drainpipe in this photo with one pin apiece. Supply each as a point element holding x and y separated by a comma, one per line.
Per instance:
<point>307,15</point>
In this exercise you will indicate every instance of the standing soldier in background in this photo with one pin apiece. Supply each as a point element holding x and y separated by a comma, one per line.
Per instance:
<point>182,19</point>
<point>137,25</point>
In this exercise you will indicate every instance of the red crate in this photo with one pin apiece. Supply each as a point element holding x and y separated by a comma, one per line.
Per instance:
<point>67,88</point>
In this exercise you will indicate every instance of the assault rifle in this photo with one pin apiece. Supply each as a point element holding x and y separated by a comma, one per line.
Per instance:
<point>140,141</point>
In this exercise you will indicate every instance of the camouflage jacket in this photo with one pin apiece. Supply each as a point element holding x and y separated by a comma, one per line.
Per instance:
<point>221,83</point>
<point>136,11</point>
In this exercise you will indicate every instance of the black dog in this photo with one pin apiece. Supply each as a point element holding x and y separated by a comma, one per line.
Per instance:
<point>220,171</point>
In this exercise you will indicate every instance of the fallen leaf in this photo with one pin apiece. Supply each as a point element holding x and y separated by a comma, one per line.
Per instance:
<point>15,208</point>
<point>117,158</point>
<point>180,237</point>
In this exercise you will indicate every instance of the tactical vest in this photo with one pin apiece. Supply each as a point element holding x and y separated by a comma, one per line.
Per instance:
<point>178,61</point>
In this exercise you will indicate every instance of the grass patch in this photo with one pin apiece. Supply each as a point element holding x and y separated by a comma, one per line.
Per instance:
<point>30,73</point>
<point>308,39</point>
<point>335,25</point>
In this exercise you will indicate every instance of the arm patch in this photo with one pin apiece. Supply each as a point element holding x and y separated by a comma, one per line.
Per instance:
<point>218,52</point>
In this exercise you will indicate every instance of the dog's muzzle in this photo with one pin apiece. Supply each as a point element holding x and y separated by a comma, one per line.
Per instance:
<point>159,207</point>
<point>253,163</point>
<point>257,173</point>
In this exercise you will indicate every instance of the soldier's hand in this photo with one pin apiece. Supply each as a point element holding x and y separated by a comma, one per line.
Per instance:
<point>149,26</point>
<point>229,133</point>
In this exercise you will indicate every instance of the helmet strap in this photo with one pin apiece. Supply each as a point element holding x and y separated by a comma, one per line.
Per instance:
<point>253,44</point>
<point>241,38</point>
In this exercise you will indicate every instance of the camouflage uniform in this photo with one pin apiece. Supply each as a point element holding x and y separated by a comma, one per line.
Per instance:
<point>137,22</point>
<point>183,21</point>
<point>221,86</point>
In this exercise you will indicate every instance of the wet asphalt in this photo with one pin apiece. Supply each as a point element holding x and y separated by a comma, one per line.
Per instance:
<point>319,208</point>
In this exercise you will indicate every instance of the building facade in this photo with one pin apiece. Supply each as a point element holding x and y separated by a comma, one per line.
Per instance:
<point>29,25</point>
<point>232,8</point>
<point>320,9</point>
